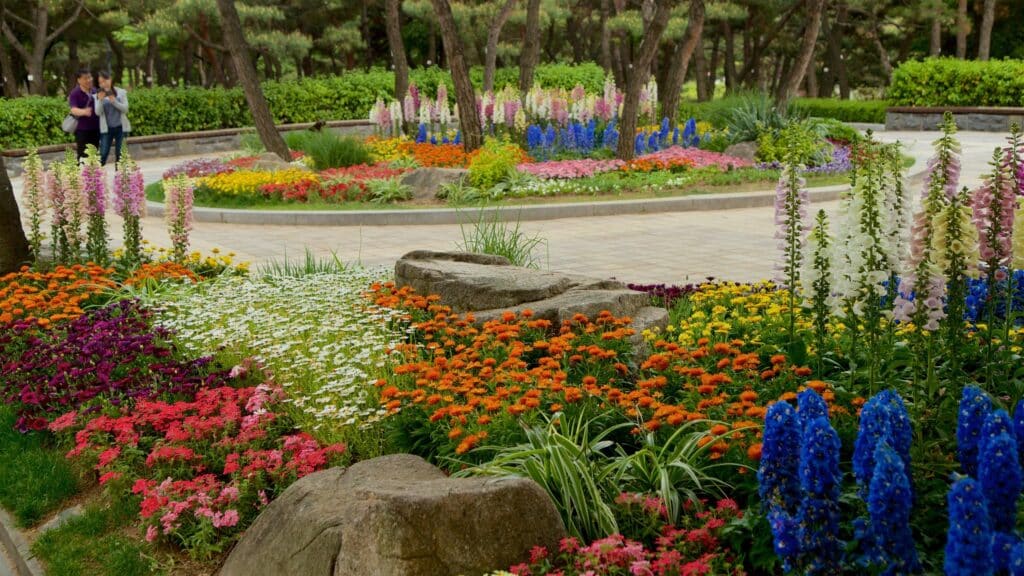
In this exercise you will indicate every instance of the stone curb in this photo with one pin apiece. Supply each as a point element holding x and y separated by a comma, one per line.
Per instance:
<point>437,216</point>
<point>17,548</point>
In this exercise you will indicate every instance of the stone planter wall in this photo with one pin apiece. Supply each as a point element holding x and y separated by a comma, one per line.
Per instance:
<point>973,119</point>
<point>184,144</point>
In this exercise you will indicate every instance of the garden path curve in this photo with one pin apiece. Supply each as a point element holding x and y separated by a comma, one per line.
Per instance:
<point>674,247</point>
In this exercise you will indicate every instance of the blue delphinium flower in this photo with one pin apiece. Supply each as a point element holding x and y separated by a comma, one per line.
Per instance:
<point>458,137</point>
<point>534,139</point>
<point>638,144</point>
<point>1017,560</point>
<point>421,134</point>
<point>889,504</point>
<point>779,469</point>
<point>590,135</point>
<point>1002,551</point>
<point>785,537</point>
<point>996,422</point>
<point>444,138</point>
<point>1018,428</point>
<point>550,139</point>
<point>610,136</point>
<point>652,142</point>
<point>569,143</point>
<point>690,137</point>
<point>974,407</point>
<point>969,540</point>
<point>675,136</point>
<point>433,138</point>
<point>663,133</point>
<point>819,509</point>
<point>1000,478</point>
<point>810,406</point>
<point>883,415</point>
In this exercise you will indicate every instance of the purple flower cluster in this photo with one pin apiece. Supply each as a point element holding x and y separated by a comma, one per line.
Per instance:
<point>198,168</point>
<point>839,164</point>
<point>667,293</point>
<point>114,353</point>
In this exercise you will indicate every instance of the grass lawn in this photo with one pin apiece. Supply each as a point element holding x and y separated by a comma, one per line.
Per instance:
<point>35,478</point>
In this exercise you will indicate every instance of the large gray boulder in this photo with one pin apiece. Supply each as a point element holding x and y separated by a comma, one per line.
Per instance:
<point>488,286</point>
<point>744,150</point>
<point>426,182</point>
<point>396,516</point>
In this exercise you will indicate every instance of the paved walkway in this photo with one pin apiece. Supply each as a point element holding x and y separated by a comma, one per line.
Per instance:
<point>674,247</point>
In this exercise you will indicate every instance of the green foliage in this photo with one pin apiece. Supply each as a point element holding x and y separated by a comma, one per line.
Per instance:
<point>495,163</point>
<point>951,82</point>
<point>309,266</point>
<point>386,191</point>
<point>834,129</point>
<point>868,111</point>
<point>35,478</point>
<point>797,142</point>
<point>753,115</point>
<point>35,121</point>
<point>492,236</point>
<point>329,150</point>
<point>459,192</point>
<point>97,543</point>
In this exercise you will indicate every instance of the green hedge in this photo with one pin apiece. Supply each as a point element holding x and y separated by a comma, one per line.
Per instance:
<point>871,111</point>
<point>951,82</point>
<point>35,121</point>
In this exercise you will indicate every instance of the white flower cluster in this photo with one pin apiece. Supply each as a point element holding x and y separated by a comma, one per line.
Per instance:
<point>318,336</point>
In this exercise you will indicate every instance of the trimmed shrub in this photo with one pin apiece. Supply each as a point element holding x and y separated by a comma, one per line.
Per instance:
<point>869,111</point>
<point>35,121</point>
<point>952,82</point>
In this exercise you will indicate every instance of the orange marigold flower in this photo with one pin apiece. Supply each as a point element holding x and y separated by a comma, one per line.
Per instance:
<point>778,359</point>
<point>802,371</point>
<point>817,385</point>
<point>754,452</point>
<point>719,429</point>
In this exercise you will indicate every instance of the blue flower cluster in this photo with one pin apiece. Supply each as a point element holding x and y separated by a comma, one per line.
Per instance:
<point>974,407</point>
<point>884,418</point>
<point>665,137</point>
<point>977,299</point>
<point>969,542</point>
<point>800,483</point>
<point>890,501</point>
<point>576,138</point>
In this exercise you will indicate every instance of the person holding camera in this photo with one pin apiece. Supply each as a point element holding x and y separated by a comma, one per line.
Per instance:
<point>83,109</point>
<point>112,111</point>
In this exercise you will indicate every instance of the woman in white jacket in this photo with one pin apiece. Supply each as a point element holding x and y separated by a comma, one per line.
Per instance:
<point>112,110</point>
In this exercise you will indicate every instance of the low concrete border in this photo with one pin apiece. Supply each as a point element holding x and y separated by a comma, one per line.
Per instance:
<point>184,143</point>
<point>17,548</point>
<point>433,216</point>
<point>980,119</point>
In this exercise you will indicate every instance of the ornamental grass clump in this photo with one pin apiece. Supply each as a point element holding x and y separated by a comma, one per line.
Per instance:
<point>129,202</point>
<point>94,190</point>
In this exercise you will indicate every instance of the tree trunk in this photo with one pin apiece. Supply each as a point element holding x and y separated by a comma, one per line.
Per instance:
<point>962,27</point>
<point>700,71</point>
<point>152,48</point>
<point>985,34</point>
<point>71,68</point>
<point>712,73</point>
<point>117,73</point>
<point>239,50</point>
<point>673,87</point>
<point>811,76</point>
<point>638,77</point>
<point>493,35</point>
<point>730,57</point>
<point>472,133</point>
<point>7,72</point>
<point>531,46</point>
<point>606,37</point>
<point>803,58</point>
<point>14,250</point>
<point>836,62</point>
<point>393,22</point>
<point>41,41</point>
<point>883,53</point>
<point>432,47</point>
<point>935,43</point>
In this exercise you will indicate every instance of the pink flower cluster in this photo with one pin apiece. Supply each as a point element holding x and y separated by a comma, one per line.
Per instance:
<point>699,158</point>
<point>568,169</point>
<point>129,191</point>
<point>214,461</point>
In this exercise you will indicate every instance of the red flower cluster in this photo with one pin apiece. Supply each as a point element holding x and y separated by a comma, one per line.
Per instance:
<point>213,461</point>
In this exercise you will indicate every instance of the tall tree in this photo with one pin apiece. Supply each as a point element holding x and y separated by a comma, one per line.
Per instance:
<point>37,24</point>
<point>805,56</point>
<point>638,74</point>
<point>14,249</point>
<point>246,73</point>
<point>465,97</point>
<point>392,17</point>
<point>531,46</point>
<point>670,93</point>
<point>8,76</point>
<point>493,35</point>
<point>962,28</point>
<point>985,34</point>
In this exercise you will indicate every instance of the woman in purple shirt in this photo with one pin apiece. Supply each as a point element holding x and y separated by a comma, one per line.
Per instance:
<point>83,107</point>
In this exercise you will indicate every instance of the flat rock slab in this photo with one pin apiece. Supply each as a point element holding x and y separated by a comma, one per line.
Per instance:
<point>489,286</point>
<point>426,182</point>
<point>396,516</point>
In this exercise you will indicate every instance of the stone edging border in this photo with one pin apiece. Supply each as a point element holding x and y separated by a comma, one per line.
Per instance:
<point>17,548</point>
<point>533,212</point>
